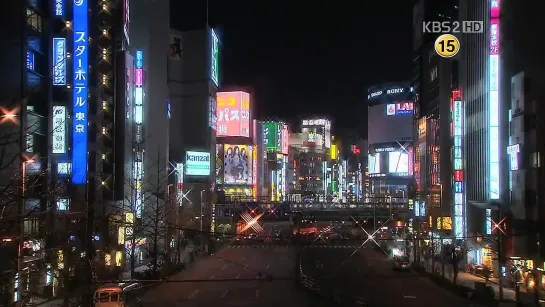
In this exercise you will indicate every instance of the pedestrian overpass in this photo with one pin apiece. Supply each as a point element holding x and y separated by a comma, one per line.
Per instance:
<point>285,211</point>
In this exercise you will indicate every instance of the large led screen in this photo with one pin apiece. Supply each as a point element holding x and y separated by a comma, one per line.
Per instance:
<point>233,114</point>
<point>197,163</point>
<point>384,128</point>
<point>374,164</point>
<point>237,163</point>
<point>398,162</point>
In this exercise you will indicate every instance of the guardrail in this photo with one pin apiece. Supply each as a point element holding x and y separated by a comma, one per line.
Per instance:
<point>324,290</point>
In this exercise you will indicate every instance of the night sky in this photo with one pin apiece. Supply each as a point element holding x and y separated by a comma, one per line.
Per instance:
<point>308,59</point>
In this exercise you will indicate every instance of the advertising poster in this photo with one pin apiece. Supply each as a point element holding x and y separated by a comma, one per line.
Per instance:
<point>219,163</point>
<point>272,136</point>
<point>197,163</point>
<point>233,114</point>
<point>236,163</point>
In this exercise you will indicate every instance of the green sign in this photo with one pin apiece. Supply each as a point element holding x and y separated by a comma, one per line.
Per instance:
<point>272,136</point>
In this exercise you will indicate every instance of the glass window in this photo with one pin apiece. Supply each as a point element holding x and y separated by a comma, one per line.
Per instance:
<point>34,20</point>
<point>33,80</point>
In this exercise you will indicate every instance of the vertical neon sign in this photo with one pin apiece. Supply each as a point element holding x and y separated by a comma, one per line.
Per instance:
<point>138,120</point>
<point>493,96</point>
<point>458,180</point>
<point>80,92</point>
<point>214,65</point>
<point>254,170</point>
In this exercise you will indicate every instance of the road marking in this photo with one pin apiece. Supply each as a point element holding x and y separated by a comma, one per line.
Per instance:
<point>238,276</point>
<point>409,296</point>
<point>268,265</point>
<point>193,294</point>
<point>256,293</point>
<point>223,268</point>
<point>224,293</point>
<point>212,277</point>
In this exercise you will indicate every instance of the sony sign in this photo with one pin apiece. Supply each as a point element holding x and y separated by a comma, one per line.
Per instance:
<point>394,91</point>
<point>197,163</point>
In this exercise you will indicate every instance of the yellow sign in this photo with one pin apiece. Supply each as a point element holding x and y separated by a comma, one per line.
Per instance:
<point>333,152</point>
<point>129,218</point>
<point>445,224</point>
<point>121,235</point>
<point>447,46</point>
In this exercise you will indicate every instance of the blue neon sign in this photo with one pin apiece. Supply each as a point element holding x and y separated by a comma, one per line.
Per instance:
<point>59,7</point>
<point>139,59</point>
<point>59,61</point>
<point>80,92</point>
<point>30,60</point>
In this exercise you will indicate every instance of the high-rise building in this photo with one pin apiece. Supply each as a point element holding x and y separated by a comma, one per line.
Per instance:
<point>313,145</point>
<point>434,79</point>
<point>484,180</point>
<point>390,142</point>
<point>193,81</point>
<point>65,62</point>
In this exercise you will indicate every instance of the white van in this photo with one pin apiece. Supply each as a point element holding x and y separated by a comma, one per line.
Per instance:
<point>118,295</point>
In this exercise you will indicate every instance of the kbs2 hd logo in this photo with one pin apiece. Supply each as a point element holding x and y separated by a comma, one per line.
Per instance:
<point>447,44</point>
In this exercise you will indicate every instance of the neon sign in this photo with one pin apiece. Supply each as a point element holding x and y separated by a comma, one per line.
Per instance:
<point>494,101</point>
<point>80,92</point>
<point>458,186</point>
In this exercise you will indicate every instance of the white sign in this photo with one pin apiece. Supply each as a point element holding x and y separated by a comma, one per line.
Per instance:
<point>59,129</point>
<point>197,163</point>
<point>394,91</point>
<point>317,122</point>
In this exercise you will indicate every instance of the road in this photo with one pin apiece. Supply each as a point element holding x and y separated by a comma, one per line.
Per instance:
<point>241,263</point>
<point>367,273</point>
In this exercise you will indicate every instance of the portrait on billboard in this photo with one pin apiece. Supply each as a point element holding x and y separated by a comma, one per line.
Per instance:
<point>175,47</point>
<point>236,161</point>
<point>219,163</point>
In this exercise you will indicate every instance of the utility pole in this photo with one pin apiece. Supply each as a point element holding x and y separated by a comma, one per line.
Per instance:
<point>500,255</point>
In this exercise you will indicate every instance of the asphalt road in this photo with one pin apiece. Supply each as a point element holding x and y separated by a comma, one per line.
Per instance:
<point>242,264</point>
<point>367,274</point>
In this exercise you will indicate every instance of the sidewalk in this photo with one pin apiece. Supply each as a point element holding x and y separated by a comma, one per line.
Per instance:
<point>468,280</point>
<point>185,258</point>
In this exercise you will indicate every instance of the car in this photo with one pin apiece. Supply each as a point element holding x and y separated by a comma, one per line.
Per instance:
<point>402,263</point>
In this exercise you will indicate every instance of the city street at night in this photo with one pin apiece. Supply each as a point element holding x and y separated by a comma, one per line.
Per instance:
<point>243,265</point>
<point>369,275</point>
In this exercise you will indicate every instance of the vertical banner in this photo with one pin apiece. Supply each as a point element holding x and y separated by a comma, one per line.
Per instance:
<point>80,92</point>
<point>58,8</point>
<point>59,130</point>
<point>59,61</point>
<point>458,165</point>
<point>494,101</point>
<point>214,63</point>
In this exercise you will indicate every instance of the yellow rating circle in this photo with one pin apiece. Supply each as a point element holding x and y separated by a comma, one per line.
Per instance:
<point>447,45</point>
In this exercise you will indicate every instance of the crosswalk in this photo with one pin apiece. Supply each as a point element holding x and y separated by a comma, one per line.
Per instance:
<point>304,246</point>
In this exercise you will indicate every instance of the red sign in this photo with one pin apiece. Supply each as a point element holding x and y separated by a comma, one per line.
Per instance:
<point>233,113</point>
<point>284,140</point>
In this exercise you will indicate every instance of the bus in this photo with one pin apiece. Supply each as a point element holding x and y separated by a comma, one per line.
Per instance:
<point>119,295</point>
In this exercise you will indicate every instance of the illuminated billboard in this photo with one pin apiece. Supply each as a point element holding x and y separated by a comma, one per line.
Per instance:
<point>284,140</point>
<point>384,128</point>
<point>219,163</point>
<point>80,91</point>
<point>374,163</point>
<point>460,230</point>
<point>59,61</point>
<point>494,101</point>
<point>398,163</point>
<point>197,163</point>
<point>59,129</point>
<point>399,108</point>
<point>214,58</point>
<point>272,136</point>
<point>236,164</point>
<point>58,8</point>
<point>233,114</point>
<point>387,91</point>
